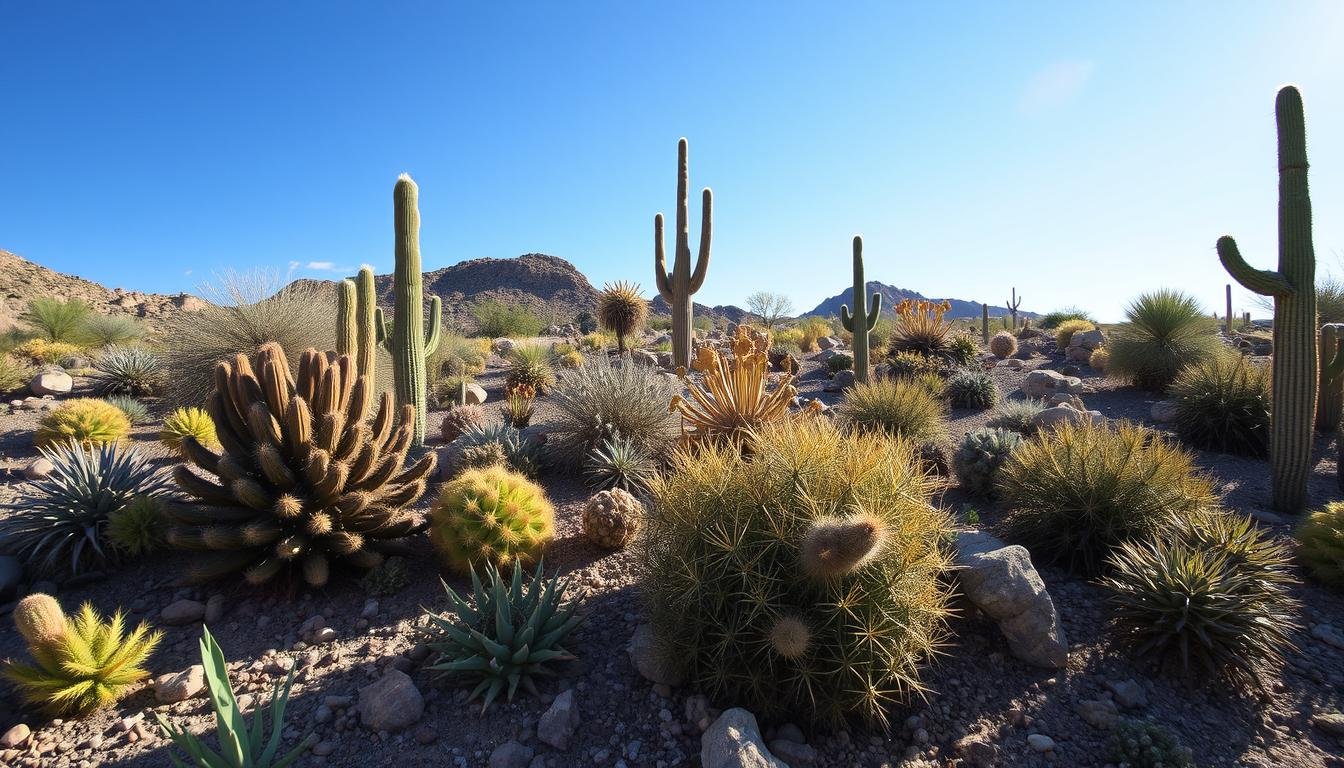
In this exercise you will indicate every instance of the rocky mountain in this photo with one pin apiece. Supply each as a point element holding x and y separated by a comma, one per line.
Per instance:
<point>891,295</point>
<point>22,280</point>
<point>728,312</point>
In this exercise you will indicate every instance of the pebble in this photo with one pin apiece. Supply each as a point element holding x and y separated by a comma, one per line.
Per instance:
<point>1040,742</point>
<point>182,613</point>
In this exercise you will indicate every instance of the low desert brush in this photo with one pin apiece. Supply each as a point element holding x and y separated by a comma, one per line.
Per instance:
<point>47,352</point>
<point>971,388</point>
<point>14,374</point>
<point>1065,330</point>
<point>497,319</point>
<point>1222,404</point>
<point>136,410</point>
<point>1164,332</point>
<point>108,330</point>
<point>86,420</point>
<point>1051,320</point>
<point>602,400</point>
<point>1016,415</point>
<point>897,407</point>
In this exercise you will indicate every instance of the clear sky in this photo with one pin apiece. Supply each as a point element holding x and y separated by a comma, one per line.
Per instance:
<point>1082,152</point>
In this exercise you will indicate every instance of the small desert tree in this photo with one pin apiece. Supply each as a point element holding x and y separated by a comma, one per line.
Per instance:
<point>621,310</point>
<point>770,307</point>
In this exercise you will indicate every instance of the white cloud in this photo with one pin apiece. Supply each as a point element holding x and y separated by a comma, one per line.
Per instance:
<point>1055,85</point>
<point>326,266</point>
<point>187,273</point>
<point>293,265</point>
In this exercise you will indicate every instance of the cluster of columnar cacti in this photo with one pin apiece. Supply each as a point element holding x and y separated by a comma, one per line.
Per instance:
<point>864,318</point>
<point>1014,302</point>
<point>491,517</point>
<point>360,327</point>
<point>1330,399</point>
<point>681,283</point>
<point>302,480</point>
<point>1293,288</point>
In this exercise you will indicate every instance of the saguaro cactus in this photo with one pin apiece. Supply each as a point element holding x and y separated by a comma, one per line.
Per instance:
<point>408,341</point>
<point>1330,401</point>
<point>984,323</point>
<point>863,320</point>
<point>1293,287</point>
<point>1013,303</point>
<point>360,327</point>
<point>678,287</point>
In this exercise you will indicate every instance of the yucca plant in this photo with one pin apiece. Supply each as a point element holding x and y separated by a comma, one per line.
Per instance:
<point>80,663</point>
<point>86,420</point>
<point>136,411</point>
<point>599,400</point>
<point>897,407</point>
<point>137,528</point>
<point>622,310</point>
<point>1209,596</point>
<point>1016,415</point>
<point>188,422</point>
<point>970,388</point>
<point>530,364</point>
<point>106,330</point>
<point>240,745</point>
<point>619,463</point>
<point>1163,332</point>
<point>57,524</point>
<point>1080,490</point>
<point>1222,404</point>
<point>507,635</point>
<point>802,581</point>
<point>57,320</point>
<point>920,328</point>
<point>302,481</point>
<point>1320,540</point>
<point>128,371</point>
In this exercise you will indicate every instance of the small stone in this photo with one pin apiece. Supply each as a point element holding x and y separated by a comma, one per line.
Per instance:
<point>1099,713</point>
<point>976,752</point>
<point>214,609</point>
<point>370,609</point>
<point>324,748</point>
<point>16,736</point>
<point>38,469</point>
<point>180,686</point>
<point>794,753</point>
<point>426,735</point>
<point>391,704</point>
<point>52,381</point>
<point>558,723</point>
<point>324,635</point>
<point>510,754</point>
<point>644,654</point>
<point>734,741</point>
<point>183,612</point>
<point>1164,411</point>
<point>1040,742</point>
<point>1128,694</point>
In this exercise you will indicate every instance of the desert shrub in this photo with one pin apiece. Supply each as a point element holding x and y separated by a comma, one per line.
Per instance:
<point>811,328</point>
<point>1099,360</point>
<point>1163,332</point>
<point>57,525</point>
<point>879,336</point>
<point>46,351</point>
<point>530,364</point>
<point>491,517</point>
<point>246,310</point>
<point>459,419</point>
<point>1208,596</point>
<point>1222,404</point>
<point>920,328</point>
<point>506,635</point>
<point>702,324</point>
<point>479,447</point>
<point>962,349</point>
<point>89,421</point>
<point>446,392</point>
<point>11,338</point>
<point>137,528</point>
<point>388,578</point>
<point>188,422</point>
<point>459,356</point>
<point>896,407</point>
<point>136,411</point>
<point>619,463</point>
<point>1065,330</point>
<point>622,310</point>
<point>1329,300</point>
<point>586,323</point>
<point>1016,415</point>
<point>971,388</point>
<point>497,319</point>
<point>1054,319</point>
<point>128,371</point>
<point>109,330</point>
<point>81,663</point>
<point>839,362</point>
<point>980,456</point>
<point>657,323</point>
<point>14,374</point>
<point>1080,490</point>
<point>57,320</point>
<point>1003,344</point>
<point>909,365</point>
<point>1320,538</point>
<point>1145,744</point>
<point>791,337</point>
<point>597,341</point>
<point>600,400</point>
<point>803,580</point>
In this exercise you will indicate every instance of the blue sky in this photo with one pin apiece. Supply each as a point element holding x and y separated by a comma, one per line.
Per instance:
<point>1083,152</point>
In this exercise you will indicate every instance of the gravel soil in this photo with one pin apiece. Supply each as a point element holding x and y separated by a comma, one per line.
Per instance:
<point>976,688</point>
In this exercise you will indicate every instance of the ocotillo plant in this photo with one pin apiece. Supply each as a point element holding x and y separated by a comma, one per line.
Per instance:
<point>1013,303</point>
<point>360,327</point>
<point>984,323</point>
<point>863,320</point>
<point>1228,329</point>
<point>409,342</point>
<point>1293,287</point>
<point>678,287</point>
<point>1330,401</point>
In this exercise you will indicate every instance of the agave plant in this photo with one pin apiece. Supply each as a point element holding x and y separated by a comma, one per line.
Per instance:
<point>58,523</point>
<point>619,463</point>
<point>136,411</point>
<point>733,398</point>
<point>520,453</point>
<point>508,635</point>
<point>128,371</point>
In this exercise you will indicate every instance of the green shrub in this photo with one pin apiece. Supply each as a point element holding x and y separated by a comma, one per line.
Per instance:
<point>89,421</point>
<point>1163,332</point>
<point>1052,320</point>
<point>962,349</point>
<point>971,388</point>
<point>599,400</point>
<point>1208,596</point>
<point>803,581</point>
<point>57,320</point>
<point>1016,415</point>
<point>137,528</point>
<point>136,411</point>
<point>128,371</point>
<point>896,407</point>
<point>109,330</point>
<point>492,517</point>
<point>619,463</point>
<point>980,456</point>
<point>458,356</point>
<point>482,446</point>
<point>910,365</point>
<point>1065,330</point>
<point>1078,491</point>
<point>1320,540</point>
<point>530,364</point>
<point>1222,404</point>
<point>1145,744</point>
<point>839,362</point>
<point>446,392</point>
<point>14,374</point>
<point>497,319</point>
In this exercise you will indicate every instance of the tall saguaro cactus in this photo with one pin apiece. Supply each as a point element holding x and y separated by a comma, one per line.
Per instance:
<point>360,327</point>
<point>984,323</point>
<point>864,319</point>
<point>1330,400</point>
<point>678,287</point>
<point>1293,287</point>
<point>408,341</point>
<point>1013,303</point>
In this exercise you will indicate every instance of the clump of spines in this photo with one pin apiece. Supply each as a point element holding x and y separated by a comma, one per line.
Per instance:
<point>979,457</point>
<point>1003,344</point>
<point>137,528</point>
<point>183,422</point>
<point>1321,544</point>
<point>491,516</point>
<point>834,547</point>
<point>970,388</point>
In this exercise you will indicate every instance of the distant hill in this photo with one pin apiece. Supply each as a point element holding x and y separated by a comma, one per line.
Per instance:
<point>891,295</point>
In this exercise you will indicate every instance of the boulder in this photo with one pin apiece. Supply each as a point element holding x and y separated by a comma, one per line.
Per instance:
<point>1078,354</point>
<point>1003,583</point>
<point>734,741</point>
<point>843,380</point>
<point>39,468</point>
<point>557,724</point>
<point>16,736</point>
<point>179,686</point>
<point>1043,382</point>
<point>1099,713</point>
<point>475,394</point>
<point>503,346</point>
<point>510,754</point>
<point>1059,414</point>
<point>1164,411</point>
<point>644,357</point>
<point>1089,340</point>
<point>827,342</point>
<point>52,381</point>
<point>183,612</point>
<point>393,703</point>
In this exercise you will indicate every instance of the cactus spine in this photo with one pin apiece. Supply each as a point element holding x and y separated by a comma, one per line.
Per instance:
<point>359,324</point>
<point>863,320</point>
<point>1330,401</point>
<point>1013,303</point>
<point>678,287</point>
<point>984,323</point>
<point>409,342</point>
<point>1294,377</point>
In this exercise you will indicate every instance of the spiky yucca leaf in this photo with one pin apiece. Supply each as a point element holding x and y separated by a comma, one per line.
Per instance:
<point>58,522</point>
<point>1016,415</point>
<point>136,411</point>
<point>188,422</point>
<point>503,440</point>
<point>128,371</point>
<point>619,463</point>
<point>920,328</point>
<point>91,422</point>
<point>530,364</point>
<point>91,665</point>
<point>622,310</point>
<point>1164,331</point>
<point>507,635</point>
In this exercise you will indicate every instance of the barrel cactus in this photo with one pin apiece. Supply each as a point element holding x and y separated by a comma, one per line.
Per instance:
<point>979,457</point>
<point>491,516</point>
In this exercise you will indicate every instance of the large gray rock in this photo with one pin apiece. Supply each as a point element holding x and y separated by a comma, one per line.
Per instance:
<point>557,724</point>
<point>644,654</point>
<point>1003,583</point>
<point>52,381</point>
<point>475,394</point>
<point>182,613</point>
<point>734,741</point>
<point>1089,340</point>
<point>1043,382</point>
<point>503,346</point>
<point>393,703</point>
<point>644,357</point>
<point>827,342</point>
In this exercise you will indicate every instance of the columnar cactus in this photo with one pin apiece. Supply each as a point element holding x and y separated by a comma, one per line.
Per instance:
<point>678,287</point>
<point>360,327</point>
<point>1227,330</point>
<point>864,319</point>
<point>1293,287</point>
<point>984,323</point>
<point>408,341</point>
<point>1330,402</point>
<point>1014,302</point>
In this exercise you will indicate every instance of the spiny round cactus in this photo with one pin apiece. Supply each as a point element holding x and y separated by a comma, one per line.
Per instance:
<point>1099,360</point>
<point>1145,744</point>
<point>40,620</point>
<point>491,515</point>
<point>979,457</point>
<point>1003,344</point>
<point>89,421</point>
<point>1321,544</point>
<point>185,422</point>
<point>969,388</point>
<point>622,310</point>
<point>611,518</point>
<point>460,419</point>
<point>802,580</point>
<point>137,528</point>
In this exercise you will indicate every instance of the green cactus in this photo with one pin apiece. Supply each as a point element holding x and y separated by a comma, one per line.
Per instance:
<point>979,457</point>
<point>678,287</point>
<point>359,324</point>
<point>863,320</point>
<point>491,516</point>
<point>409,341</point>
<point>1014,302</point>
<point>1330,401</point>
<point>1227,329</point>
<point>1293,287</point>
<point>984,324</point>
